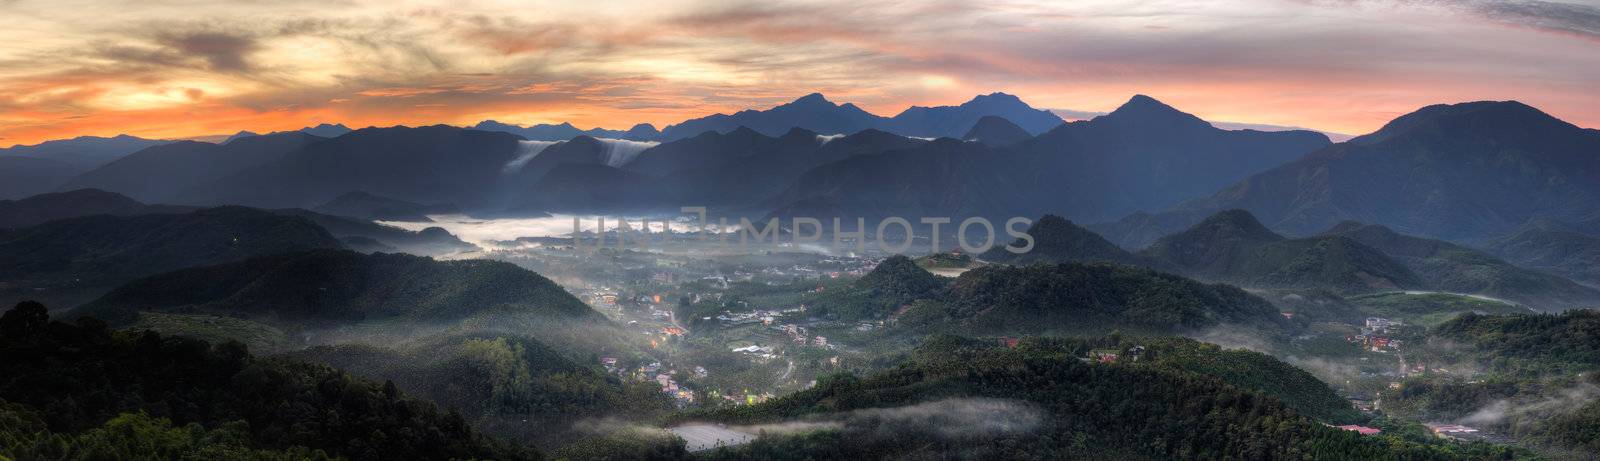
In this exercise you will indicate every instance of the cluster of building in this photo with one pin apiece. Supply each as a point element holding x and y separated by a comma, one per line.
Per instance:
<point>800,336</point>
<point>1453,431</point>
<point>1132,354</point>
<point>1374,335</point>
<point>663,377</point>
<point>1363,430</point>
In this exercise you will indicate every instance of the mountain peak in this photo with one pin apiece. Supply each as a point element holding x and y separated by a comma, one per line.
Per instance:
<point>995,97</point>
<point>1235,223</point>
<point>1477,116</point>
<point>1142,103</point>
<point>1141,109</point>
<point>811,99</point>
<point>994,130</point>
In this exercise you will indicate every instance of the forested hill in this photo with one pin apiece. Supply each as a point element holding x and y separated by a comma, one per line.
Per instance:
<point>101,394</point>
<point>323,286</point>
<point>974,401</point>
<point>74,260</point>
<point>1096,297</point>
<point>1538,343</point>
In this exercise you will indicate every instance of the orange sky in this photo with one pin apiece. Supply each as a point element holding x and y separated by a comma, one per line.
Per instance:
<point>194,68</point>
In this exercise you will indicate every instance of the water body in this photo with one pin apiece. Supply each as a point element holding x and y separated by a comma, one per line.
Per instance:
<point>701,437</point>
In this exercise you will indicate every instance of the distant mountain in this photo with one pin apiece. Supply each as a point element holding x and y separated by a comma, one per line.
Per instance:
<point>1138,230</point>
<point>703,151</point>
<point>43,208</point>
<point>1144,156</point>
<point>1445,266</point>
<point>161,173</point>
<point>83,151</point>
<point>1148,156</point>
<point>234,137</point>
<point>1457,172</point>
<point>565,131</point>
<point>43,167</point>
<point>324,130</point>
<point>996,131</point>
<point>358,204</point>
<point>944,177</point>
<point>1058,240</point>
<point>1552,246</point>
<point>1233,247</point>
<point>80,257</point>
<point>433,164</point>
<point>332,287</point>
<point>814,112</point>
<point>744,168</point>
<point>27,176</point>
<point>951,121</point>
<point>579,187</point>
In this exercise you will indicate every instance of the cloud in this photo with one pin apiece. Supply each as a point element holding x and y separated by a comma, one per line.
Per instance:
<point>1567,18</point>
<point>221,51</point>
<point>1346,66</point>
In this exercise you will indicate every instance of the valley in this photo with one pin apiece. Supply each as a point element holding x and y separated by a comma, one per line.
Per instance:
<point>1017,288</point>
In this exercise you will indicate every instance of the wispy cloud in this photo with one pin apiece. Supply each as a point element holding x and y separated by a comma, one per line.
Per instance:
<point>183,68</point>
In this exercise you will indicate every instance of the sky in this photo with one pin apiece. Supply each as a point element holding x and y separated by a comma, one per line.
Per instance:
<point>173,69</point>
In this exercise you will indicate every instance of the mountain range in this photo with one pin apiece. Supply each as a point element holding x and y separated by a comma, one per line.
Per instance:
<point>83,256</point>
<point>40,168</point>
<point>1464,173</point>
<point>1455,172</point>
<point>1143,156</point>
<point>816,113</point>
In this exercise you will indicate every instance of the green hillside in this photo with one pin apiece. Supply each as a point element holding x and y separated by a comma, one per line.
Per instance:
<point>75,380</point>
<point>335,286</point>
<point>970,400</point>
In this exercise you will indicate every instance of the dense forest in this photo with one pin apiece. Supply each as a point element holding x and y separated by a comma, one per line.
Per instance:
<point>511,386</point>
<point>1055,407</point>
<point>83,391</point>
<point>339,286</point>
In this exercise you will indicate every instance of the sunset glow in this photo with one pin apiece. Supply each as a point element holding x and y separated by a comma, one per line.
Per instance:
<point>172,69</point>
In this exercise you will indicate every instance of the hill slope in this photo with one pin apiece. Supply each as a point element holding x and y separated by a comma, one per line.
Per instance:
<point>1457,172</point>
<point>1233,247</point>
<point>1551,246</point>
<point>82,256</point>
<point>68,379</point>
<point>1449,267</point>
<point>159,173</point>
<point>42,208</point>
<point>336,287</point>
<point>964,399</point>
<point>1058,240</point>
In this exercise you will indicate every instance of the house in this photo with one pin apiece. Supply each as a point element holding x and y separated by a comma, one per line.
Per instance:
<point>1363,430</point>
<point>1105,355</point>
<point>1450,430</point>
